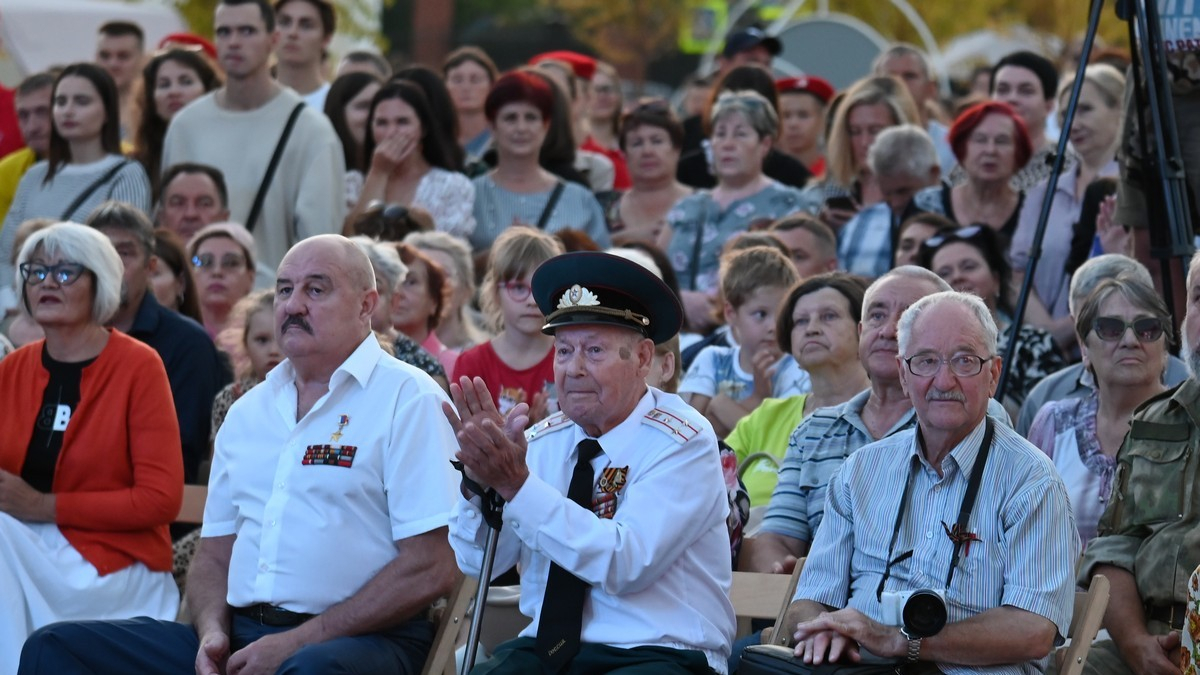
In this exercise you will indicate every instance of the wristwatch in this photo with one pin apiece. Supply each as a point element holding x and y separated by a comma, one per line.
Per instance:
<point>914,646</point>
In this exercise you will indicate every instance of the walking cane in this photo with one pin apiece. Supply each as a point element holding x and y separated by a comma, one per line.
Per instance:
<point>493,509</point>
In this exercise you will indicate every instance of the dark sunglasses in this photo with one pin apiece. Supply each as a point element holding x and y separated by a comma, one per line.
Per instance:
<point>1112,329</point>
<point>961,234</point>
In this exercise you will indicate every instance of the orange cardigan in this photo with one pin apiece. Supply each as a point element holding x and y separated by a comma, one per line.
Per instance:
<point>119,477</point>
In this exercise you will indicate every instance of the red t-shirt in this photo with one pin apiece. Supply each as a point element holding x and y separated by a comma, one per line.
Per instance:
<point>10,133</point>
<point>621,181</point>
<point>508,385</point>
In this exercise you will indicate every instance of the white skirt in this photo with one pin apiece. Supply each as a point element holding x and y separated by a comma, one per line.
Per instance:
<point>43,579</point>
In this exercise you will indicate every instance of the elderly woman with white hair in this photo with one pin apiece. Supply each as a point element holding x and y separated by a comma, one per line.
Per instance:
<point>744,127</point>
<point>91,471</point>
<point>222,257</point>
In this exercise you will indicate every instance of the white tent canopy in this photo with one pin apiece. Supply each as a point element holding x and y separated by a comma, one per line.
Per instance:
<point>36,34</point>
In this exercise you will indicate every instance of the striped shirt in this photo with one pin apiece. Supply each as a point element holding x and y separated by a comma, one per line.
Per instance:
<point>816,450</point>
<point>1027,543</point>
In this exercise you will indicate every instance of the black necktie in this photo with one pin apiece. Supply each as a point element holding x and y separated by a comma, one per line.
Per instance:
<point>561,620</point>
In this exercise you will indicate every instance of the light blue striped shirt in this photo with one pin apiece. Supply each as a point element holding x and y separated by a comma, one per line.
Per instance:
<point>1025,557</point>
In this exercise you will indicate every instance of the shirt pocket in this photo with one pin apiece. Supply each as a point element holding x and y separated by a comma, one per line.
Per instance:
<point>1155,472</point>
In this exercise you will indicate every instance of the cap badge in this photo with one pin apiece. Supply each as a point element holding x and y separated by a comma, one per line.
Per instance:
<point>578,296</point>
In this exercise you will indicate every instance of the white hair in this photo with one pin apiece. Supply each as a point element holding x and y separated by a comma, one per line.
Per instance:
<point>1095,270</point>
<point>638,256</point>
<point>86,246</point>
<point>904,150</point>
<point>389,269</point>
<point>972,302</point>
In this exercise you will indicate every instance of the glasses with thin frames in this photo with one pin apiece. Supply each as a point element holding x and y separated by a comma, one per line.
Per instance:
<point>230,262</point>
<point>63,273</point>
<point>518,291</point>
<point>1112,329</point>
<point>927,364</point>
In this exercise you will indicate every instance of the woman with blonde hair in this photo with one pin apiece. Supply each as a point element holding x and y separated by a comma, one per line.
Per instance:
<point>868,107</point>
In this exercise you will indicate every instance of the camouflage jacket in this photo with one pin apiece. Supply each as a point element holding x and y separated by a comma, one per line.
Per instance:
<point>1152,524</point>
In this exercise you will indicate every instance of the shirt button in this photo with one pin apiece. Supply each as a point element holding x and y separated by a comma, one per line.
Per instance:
<point>280,486</point>
<point>264,567</point>
<point>272,523</point>
<point>929,535</point>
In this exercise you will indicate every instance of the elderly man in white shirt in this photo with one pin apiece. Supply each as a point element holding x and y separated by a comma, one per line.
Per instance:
<point>615,506</point>
<point>324,538</point>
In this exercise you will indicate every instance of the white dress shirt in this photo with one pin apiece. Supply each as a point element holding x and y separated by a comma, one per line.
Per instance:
<point>660,568</point>
<point>314,524</point>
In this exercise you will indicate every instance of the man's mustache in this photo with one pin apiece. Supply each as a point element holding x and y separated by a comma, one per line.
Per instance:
<point>945,396</point>
<point>298,321</point>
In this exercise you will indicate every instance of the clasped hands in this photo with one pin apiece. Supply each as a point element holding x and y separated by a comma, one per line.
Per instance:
<point>838,636</point>
<point>490,446</point>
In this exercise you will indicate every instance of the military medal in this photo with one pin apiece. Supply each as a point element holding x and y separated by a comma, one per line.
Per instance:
<point>343,420</point>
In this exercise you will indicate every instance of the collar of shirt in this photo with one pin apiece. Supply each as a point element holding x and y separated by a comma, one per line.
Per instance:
<point>623,441</point>
<point>963,454</point>
<point>359,365</point>
<point>1187,396</point>
<point>852,413</point>
<point>147,317</point>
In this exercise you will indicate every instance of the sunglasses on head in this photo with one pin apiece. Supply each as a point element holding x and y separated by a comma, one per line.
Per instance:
<point>1111,329</point>
<point>969,232</point>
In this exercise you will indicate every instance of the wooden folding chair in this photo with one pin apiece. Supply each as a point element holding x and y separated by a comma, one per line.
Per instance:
<point>1085,623</point>
<point>441,654</point>
<point>756,595</point>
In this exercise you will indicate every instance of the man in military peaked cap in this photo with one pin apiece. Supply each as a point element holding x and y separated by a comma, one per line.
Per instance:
<point>615,506</point>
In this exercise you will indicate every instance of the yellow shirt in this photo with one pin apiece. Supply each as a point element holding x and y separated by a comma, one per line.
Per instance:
<point>12,167</point>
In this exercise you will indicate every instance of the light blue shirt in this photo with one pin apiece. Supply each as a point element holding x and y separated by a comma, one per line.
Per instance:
<point>1027,543</point>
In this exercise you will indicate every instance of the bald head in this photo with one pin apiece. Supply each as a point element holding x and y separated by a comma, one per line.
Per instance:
<point>324,298</point>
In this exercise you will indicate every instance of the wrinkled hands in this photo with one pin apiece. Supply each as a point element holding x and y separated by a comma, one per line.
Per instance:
<point>491,447</point>
<point>838,636</point>
<point>19,500</point>
<point>1155,654</point>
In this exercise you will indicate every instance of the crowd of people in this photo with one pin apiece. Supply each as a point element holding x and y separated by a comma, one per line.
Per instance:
<point>662,342</point>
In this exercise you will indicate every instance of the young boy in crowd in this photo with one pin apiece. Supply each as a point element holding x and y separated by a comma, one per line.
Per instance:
<point>726,383</point>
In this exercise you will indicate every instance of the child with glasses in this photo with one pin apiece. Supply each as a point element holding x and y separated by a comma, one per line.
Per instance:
<point>727,383</point>
<point>518,363</point>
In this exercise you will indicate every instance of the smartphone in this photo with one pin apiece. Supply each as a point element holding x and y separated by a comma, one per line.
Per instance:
<point>842,202</point>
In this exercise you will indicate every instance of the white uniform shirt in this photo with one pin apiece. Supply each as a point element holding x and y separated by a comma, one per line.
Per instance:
<point>660,569</point>
<point>316,514</point>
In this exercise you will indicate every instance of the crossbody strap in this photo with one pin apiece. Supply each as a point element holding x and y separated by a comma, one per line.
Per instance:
<point>550,203</point>
<point>252,219</point>
<point>91,189</point>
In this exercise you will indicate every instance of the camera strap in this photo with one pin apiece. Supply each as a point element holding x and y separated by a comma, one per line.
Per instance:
<point>964,511</point>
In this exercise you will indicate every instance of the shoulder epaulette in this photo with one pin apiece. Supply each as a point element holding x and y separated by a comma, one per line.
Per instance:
<point>670,424</point>
<point>555,422</point>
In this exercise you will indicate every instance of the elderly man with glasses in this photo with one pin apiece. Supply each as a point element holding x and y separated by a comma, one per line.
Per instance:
<point>960,506</point>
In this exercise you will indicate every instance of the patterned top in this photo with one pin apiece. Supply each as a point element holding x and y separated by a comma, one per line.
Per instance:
<point>225,399</point>
<point>716,371</point>
<point>701,229</point>
<point>407,350</point>
<point>1023,555</point>
<point>1037,170</point>
<point>1066,432</point>
<point>865,242</point>
<point>449,197</point>
<point>1036,357</point>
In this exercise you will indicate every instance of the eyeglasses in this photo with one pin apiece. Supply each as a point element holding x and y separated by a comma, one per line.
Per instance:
<point>228,263</point>
<point>63,273</point>
<point>927,364</point>
<point>1112,329</point>
<point>518,291</point>
<point>961,233</point>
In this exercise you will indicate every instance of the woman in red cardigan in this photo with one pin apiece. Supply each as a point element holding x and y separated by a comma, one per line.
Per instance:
<point>91,471</point>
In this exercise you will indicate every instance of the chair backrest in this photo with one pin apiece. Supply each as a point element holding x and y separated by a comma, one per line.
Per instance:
<point>1085,623</point>
<point>441,653</point>
<point>757,595</point>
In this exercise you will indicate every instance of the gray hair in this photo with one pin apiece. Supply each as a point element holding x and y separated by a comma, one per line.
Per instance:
<point>911,272</point>
<point>1095,270</point>
<point>902,49</point>
<point>905,150</point>
<point>758,111</point>
<point>88,247</point>
<point>452,246</point>
<point>972,302</point>
<point>385,261</point>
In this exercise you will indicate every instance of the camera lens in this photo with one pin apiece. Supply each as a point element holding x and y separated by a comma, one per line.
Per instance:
<point>924,614</point>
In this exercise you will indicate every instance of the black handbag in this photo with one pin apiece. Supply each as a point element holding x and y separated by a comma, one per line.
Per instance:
<point>780,660</point>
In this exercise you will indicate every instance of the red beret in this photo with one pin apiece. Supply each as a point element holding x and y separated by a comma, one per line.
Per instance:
<point>584,66</point>
<point>817,86</point>
<point>186,40</point>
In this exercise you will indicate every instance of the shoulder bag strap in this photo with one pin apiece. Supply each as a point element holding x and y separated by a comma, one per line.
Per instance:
<point>270,174</point>
<point>91,189</point>
<point>550,203</point>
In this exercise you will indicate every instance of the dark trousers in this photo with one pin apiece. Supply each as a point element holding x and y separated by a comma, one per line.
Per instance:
<point>148,646</point>
<point>516,657</point>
